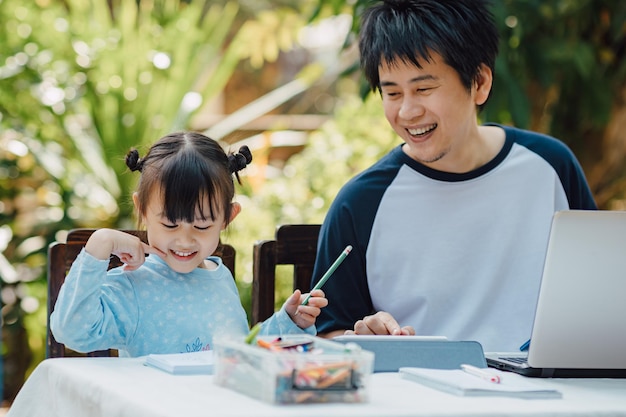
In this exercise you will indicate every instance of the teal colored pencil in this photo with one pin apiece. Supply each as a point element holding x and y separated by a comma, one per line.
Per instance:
<point>328,273</point>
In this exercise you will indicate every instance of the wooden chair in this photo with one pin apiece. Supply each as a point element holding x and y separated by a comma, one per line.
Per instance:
<point>294,244</point>
<point>60,258</point>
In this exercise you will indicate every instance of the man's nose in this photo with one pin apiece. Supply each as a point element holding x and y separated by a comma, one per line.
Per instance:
<point>411,108</point>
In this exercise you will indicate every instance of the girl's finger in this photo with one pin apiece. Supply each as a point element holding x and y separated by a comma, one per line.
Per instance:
<point>154,250</point>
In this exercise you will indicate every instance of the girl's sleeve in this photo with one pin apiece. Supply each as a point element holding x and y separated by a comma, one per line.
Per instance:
<point>94,310</point>
<point>280,324</point>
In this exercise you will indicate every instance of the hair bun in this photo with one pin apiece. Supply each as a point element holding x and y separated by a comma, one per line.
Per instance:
<point>245,151</point>
<point>238,161</point>
<point>132,160</point>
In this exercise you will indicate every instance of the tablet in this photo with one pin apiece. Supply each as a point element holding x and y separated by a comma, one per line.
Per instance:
<point>345,338</point>
<point>394,352</point>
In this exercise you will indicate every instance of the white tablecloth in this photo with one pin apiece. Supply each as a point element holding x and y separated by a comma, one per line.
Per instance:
<point>112,387</point>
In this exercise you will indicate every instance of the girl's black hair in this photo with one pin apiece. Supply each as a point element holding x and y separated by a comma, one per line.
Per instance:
<point>462,32</point>
<point>188,169</point>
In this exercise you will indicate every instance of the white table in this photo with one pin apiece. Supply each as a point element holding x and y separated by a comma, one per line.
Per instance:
<point>111,387</point>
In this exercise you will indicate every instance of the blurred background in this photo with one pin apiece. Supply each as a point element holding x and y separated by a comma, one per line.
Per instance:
<point>83,81</point>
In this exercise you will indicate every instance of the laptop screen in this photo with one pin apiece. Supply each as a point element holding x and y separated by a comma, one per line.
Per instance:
<point>580,321</point>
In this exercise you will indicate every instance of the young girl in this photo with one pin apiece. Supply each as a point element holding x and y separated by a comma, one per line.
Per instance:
<point>179,297</point>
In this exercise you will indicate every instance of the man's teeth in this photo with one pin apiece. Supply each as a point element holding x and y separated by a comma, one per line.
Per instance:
<point>178,253</point>
<point>422,130</point>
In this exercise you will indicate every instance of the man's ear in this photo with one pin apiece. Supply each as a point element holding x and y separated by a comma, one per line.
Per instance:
<point>483,84</point>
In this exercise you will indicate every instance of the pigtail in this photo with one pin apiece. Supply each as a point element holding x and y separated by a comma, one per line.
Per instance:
<point>133,162</point>
<point>239,160</point>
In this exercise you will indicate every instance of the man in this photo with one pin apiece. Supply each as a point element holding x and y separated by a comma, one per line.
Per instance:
<point>449,230</point>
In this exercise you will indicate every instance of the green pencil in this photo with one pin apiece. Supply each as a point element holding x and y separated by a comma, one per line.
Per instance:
<point>328,273</point>
<point>253,332</point>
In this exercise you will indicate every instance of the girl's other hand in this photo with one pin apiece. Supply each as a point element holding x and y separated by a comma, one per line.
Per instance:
<point>129,248</point>
<point>305,316</point>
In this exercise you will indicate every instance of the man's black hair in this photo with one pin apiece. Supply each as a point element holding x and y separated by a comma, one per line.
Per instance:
<point>462,32</point>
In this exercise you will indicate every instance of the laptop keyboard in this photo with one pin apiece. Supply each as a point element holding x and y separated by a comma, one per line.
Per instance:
<point>515,359</point>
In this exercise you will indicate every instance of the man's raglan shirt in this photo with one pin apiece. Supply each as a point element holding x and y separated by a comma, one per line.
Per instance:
<point>456,255</point>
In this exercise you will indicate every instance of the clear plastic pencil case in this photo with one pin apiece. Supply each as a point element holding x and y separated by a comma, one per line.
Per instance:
<point>294,369</point>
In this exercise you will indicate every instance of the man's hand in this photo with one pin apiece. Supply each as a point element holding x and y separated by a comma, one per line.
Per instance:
<point>381,323</point>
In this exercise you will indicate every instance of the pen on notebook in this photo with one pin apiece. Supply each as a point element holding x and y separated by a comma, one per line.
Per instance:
<point>328,273</point>
<point>481,373</point>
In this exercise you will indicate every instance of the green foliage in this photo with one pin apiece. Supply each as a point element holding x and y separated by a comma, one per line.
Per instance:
<point>81,82</point>
<point>554,50</point>
<point>104,79</point>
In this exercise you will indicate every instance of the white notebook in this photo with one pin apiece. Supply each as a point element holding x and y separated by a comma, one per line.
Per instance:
<point>459,382</point>
<point>183,363</point>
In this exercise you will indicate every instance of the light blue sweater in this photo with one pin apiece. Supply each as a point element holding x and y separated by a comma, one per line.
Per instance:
<point>153,309</point>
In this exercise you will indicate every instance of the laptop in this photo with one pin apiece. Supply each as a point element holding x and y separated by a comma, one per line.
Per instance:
<point>579,328</point>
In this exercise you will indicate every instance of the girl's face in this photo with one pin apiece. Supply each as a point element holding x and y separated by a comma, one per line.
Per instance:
<point>186,245</point>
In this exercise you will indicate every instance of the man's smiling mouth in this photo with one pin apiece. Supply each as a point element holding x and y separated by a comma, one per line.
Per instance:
<point>422,130</point>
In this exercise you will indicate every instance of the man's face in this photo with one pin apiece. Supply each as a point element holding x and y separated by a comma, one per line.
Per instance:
<point>432,112</point>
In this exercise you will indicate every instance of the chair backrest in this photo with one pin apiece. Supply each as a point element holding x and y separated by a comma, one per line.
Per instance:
<point>60,259</point>
<point>294,244</point>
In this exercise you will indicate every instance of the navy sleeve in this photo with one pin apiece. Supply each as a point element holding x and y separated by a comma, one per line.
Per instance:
<point>564,162</point>
<point>346,290</point>
<point>349,222</point>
